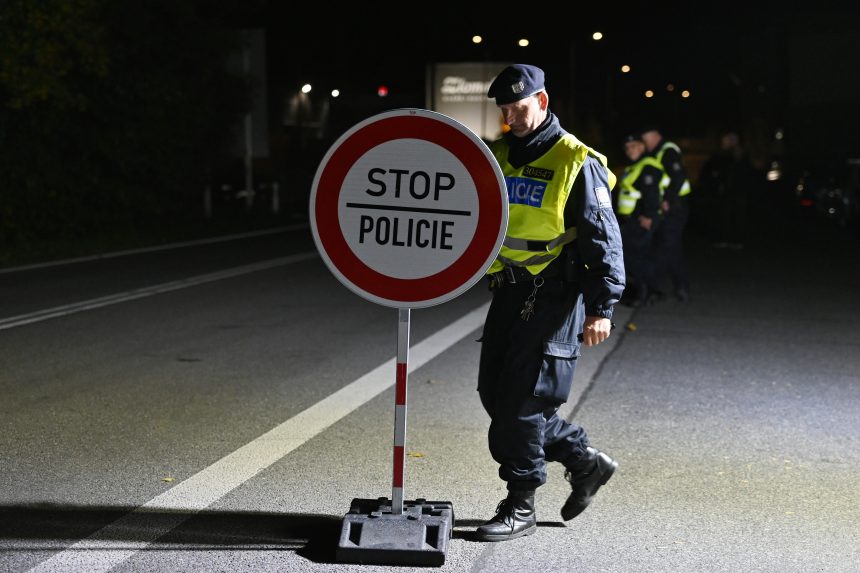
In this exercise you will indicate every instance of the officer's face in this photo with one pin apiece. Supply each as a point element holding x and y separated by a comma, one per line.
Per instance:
<point>651,139</point>
<point>634,150</point>
<point>524,116</point>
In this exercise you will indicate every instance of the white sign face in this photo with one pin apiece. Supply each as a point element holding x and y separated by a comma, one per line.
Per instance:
<point>409,208</point>
<point>402,220</point>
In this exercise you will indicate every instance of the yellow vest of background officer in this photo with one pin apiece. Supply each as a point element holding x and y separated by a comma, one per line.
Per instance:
<point>628,195</point>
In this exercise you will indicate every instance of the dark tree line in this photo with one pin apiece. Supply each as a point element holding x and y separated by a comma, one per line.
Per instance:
<point>112,114</point>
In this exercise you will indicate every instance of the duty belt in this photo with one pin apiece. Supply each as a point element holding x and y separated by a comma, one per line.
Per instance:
<point>520,275</point>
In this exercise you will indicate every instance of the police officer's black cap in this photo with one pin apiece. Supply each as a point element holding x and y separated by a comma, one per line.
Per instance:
<point>633,137</point>
<point>516,82</point>
<point>648,126</point>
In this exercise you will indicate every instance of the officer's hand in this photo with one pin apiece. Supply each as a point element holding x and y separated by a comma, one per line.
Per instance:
<point>664,206</point>
<point>596,330</point>
<point>645,222</point>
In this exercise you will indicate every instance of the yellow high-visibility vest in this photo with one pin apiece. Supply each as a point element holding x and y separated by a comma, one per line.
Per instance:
<point>628,195</point>
<point>685,188</point>
<point>537,194</point>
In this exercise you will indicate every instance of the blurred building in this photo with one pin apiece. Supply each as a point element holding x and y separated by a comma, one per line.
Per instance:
<point>459,90</point>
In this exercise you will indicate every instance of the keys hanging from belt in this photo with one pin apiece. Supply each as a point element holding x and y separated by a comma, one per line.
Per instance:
<point>529,307</point>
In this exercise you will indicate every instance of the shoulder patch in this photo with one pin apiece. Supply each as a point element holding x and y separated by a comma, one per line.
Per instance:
<point>602,195</point>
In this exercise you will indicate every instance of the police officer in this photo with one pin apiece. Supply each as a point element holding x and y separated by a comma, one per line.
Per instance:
<point>639,196</point>
<point>555,281</point>
<point>668,239</point>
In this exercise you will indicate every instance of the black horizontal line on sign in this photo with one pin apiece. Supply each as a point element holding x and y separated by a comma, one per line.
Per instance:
<point>408,209</point>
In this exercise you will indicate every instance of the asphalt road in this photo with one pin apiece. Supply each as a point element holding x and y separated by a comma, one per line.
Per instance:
<point>136,429</point>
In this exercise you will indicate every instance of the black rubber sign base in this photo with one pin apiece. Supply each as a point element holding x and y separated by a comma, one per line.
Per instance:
<point>372,534</point>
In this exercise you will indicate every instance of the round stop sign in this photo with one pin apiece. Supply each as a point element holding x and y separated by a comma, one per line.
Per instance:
<point>408,208</point>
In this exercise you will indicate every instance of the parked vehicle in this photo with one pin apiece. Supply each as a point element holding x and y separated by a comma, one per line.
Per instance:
<point>831,192</point>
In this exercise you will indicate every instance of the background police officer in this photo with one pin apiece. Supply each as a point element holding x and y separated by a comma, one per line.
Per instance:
<point>669,237</point>
<point>639,196</point>
<point>556,279</point>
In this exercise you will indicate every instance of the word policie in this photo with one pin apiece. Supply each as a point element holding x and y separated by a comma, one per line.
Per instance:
<point>387,231</point>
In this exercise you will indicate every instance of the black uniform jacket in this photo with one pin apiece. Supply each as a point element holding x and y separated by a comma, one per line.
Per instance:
<point>597,248</point>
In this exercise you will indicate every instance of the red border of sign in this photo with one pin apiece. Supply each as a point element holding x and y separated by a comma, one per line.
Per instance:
<point>490,210</point>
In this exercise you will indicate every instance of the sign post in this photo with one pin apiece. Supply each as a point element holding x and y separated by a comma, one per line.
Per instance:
<point>408,209</point>
<point>399,472</point>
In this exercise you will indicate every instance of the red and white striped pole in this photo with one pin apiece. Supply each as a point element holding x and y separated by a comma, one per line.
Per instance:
<point>400,411</point>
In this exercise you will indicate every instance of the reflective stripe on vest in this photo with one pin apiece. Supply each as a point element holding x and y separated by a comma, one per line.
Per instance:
<point>628,195</point>
<point>685,187</point>
<point>537,194</point>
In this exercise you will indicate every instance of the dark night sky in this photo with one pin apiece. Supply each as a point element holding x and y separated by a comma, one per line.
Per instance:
<point>376,47</point>
<point>743,62</point>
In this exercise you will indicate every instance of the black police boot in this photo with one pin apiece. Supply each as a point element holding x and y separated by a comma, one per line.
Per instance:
<point>585,477</point>
<point>515,517</point>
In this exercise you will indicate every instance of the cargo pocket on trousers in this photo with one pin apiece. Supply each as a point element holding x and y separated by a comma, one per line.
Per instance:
<point>556,371</point>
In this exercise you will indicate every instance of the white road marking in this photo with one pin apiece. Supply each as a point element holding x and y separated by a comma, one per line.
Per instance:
<point>114,254</point>
<point>67,309</point>
<point>121,539</point>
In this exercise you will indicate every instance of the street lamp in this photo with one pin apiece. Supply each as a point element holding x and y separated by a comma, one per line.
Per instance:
<point>523,43</point>
<point>477,39</point>
<point>625,69</point>
<point>597,36</point>
<point>306,88</point>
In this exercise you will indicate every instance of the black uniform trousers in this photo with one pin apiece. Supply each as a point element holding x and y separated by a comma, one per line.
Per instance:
<point>526,371</point>
<point>669,246</point>
<point>639,265</point>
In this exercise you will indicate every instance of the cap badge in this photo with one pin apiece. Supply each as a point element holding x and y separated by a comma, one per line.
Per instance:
<point>518,87</point>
